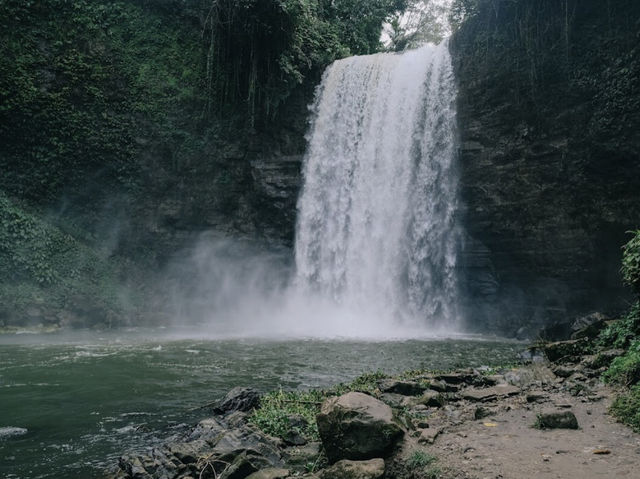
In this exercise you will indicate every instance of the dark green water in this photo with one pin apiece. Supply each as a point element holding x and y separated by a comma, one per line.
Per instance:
<point>86,399</point>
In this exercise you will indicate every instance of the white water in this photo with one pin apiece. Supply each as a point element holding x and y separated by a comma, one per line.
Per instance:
<point>376,234</point>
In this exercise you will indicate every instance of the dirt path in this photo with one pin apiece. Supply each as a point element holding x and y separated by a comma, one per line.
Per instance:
<point>505,445</point>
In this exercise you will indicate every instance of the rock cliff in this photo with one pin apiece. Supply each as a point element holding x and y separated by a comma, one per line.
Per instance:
<point>550,157</point>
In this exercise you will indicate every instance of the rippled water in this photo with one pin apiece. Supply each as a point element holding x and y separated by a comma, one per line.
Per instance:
<point>70,405</point>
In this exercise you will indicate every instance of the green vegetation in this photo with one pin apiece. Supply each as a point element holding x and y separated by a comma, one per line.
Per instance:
<point>625,370</point>
<point>420,459</point>
<point>50,276</point>
<point>108,108</point>
<point>626,408</point>
<point>278,407</point>
<point>631,262</point>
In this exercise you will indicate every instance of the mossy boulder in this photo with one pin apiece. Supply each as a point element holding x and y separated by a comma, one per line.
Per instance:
<point>356,426</point>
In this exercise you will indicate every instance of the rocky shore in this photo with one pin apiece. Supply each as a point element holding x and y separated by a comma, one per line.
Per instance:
<point>544,418</point>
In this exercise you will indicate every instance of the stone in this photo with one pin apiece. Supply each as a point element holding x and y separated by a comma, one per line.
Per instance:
<point>238,399</point>
<point>458,377</point>
<point>345,469</point>
<point>490,394</point>
<point>405,388</point>
<point>189,452</point>
<point>302,455</point>
<point>244,465</point>
<point>270,473</point>
<point>563,372</point>
<point>356,426</point>
<point>431,399</point>
<point>563,351</point>
<point>556,420</point>
<point>429,435</point>
<point>588,326</point>
<point>536,396</point>
<point>209,430</point>
<point>248,441</point>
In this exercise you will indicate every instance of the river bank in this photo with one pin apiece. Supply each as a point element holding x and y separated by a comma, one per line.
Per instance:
<point>537,419</point>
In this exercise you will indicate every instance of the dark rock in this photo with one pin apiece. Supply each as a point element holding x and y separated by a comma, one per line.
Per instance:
<point>294,438</point>
<point>431,399</point>
<point>345,469</point>
<point>563,372</point>
<point>357,426</point>
<point>566,350</point>
<point>406,388</point>
<point>481,413</point>
<point>238,399</point>
<point>556,420</point>
<point>244,465</point>
<point>458,377</point>
<point>249,441</point>
<point>536,396</point>
<point>588,326</point>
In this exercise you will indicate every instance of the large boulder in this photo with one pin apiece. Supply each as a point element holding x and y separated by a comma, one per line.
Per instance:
<point>358,427</point>
<point>588,326</point>
<point>238,399</point>
<point>372,469</point>
<point>556,420</point>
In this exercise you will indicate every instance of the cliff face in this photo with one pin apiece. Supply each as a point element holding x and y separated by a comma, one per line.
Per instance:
<point>549,116</point>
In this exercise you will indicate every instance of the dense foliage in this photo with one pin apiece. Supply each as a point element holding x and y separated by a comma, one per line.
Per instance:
<point>82,84</point>
<point>259,51</point>
<point>631,262</point>
<point>36,255</point>
<point>108,108</point>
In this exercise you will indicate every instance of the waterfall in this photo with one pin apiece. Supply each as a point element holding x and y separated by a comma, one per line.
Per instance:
<point>376,231</point>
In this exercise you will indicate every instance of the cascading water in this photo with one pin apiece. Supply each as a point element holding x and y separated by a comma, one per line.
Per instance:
<point>376,230</point>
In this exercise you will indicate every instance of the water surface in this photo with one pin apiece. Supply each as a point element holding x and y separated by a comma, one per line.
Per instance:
<point>70,405</point>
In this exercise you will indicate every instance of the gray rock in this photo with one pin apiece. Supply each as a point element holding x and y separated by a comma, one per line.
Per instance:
<point>431,399</point>
<point>209,430</point>
<point>490,394</point>
<point>271,473</point>
<point>358,427</point>
<point>429,435</point>
<point>250,441</point>
<point>588,326</point>
<point>371,469</point>
<point>238,399</point>
<point>244,465</point>
<point>556,420</point>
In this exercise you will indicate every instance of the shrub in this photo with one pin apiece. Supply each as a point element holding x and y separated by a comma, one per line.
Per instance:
<point>622,332</point>
<point>631,262</point>
<point>626,408</point>
<point>625,370</point>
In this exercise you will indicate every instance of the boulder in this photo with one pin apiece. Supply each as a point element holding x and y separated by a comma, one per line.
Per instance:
<point>245,465</point>
<point>565,350</point>
<point>238,399</point>
<point>371,469</point>
<point>556,420</point>
<point>588,326</point>
<point>358,427</point>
